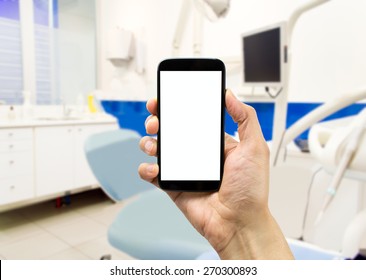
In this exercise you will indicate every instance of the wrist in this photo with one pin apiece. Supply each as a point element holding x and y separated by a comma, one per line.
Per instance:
<point>260,238</point>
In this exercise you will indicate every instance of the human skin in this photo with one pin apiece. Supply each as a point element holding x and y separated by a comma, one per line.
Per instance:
<point>235,220</point>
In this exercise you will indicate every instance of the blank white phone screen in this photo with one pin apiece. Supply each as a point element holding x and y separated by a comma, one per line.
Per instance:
<point>190,125</point>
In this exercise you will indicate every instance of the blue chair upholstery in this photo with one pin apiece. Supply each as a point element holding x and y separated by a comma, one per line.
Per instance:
<point>114,157</point>
<point>150,226</point>
<point>300,249</point>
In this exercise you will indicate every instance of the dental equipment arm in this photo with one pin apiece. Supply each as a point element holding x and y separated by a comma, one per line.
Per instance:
<point>181,25</point>
<point>304,8</point>
<point>211,9</point>
<point>317,115</point>
<point>350,150</point>
<point>280,113</point>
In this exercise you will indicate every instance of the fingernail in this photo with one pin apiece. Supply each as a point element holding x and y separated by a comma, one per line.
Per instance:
<point>149,146</point>
<point>150,168</point>
<point>229,92</point>
<point>147,120</point>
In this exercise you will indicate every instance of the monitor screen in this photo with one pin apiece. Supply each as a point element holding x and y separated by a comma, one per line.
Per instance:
<point>262,56</point>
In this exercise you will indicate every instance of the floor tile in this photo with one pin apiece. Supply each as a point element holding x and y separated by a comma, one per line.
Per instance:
<point>35,247</point>
<point>68,254</point>
<point>78,231</point>
<point>57,219</point>
<point>75,231</point>
<point>96,248</point>
<point>105,215</point>
<point>16,231</point>
<point>95,208</point>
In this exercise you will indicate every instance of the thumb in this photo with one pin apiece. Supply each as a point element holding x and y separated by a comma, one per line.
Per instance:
<point>245,116</point>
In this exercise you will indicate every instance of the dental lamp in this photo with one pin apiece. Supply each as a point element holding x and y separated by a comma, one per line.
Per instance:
<point>211,9</point>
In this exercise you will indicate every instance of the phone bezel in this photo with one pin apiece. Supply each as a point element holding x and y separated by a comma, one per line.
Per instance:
<point>194,64</point>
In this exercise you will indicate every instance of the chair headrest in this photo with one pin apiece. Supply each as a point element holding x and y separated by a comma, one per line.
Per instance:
<point>114,157</point>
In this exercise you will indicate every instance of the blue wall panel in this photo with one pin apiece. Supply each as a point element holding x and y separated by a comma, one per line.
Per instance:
<point>132,115</point>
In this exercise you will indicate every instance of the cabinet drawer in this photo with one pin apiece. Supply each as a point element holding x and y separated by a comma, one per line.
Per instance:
<point>16,134</point>
<point>15,146</point>
<point>15,189</point>
<point>14,164</point>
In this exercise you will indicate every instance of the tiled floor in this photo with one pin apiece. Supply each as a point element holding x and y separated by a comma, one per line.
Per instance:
<point>74,232</point>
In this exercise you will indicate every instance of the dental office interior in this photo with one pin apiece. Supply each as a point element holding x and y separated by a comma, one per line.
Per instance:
<point>75,76</point>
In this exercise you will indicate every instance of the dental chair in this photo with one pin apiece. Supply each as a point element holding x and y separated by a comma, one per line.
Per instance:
<point>339,147</point>
<point>150,226</point>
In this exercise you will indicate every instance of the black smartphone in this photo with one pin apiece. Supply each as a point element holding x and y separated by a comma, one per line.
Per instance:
<point>191,102</point>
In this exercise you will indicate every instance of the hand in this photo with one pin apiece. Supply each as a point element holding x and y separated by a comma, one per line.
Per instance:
<point>235,220</point>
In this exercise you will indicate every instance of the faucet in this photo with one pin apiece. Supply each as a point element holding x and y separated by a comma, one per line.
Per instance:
<point>66,110</point>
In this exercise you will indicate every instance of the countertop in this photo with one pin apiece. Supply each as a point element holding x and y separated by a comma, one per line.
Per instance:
<point>58,121</point>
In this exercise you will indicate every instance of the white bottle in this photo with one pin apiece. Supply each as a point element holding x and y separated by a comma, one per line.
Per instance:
<point>11,114</point>
<point>27,105</point>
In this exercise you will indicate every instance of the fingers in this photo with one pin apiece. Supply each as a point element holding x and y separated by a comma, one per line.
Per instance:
<point>152,125</point>
<point>152,122</point>
<point>246,117</point>
<point>152,106</point>
<point>238,111</point>
<point>148,145</point>
<point>149,172</point>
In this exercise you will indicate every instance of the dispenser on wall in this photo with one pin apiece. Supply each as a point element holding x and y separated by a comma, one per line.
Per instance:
<point>119,45</point>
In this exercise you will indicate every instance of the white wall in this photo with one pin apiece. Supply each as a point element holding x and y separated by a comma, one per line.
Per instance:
<point>328,45</point>
<point>154,21</point>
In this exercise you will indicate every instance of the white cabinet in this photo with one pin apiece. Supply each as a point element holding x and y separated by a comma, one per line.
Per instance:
<point>54,147</point>
<point>60,159</point>
<point>43,160</point>
<point>16,165</point>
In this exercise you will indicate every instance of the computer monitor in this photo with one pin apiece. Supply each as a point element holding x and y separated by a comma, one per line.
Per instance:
<point>265,56</point>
